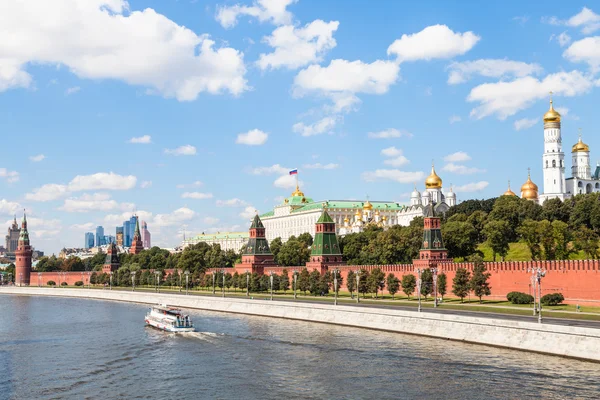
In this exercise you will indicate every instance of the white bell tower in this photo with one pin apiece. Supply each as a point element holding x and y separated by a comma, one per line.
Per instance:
<point>553,158</point>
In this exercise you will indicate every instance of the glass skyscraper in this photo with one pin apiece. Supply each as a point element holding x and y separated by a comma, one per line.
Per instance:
<point>129,231</point>
<point>89,240</point>
<point>100,236</point>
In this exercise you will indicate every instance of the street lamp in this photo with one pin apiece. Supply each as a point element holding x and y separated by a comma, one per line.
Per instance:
<point>335,283</point>
<point>271,279</point>
<point>434,271</point>
<point>110,275</point>
<point>213,274</point>
<point>187,279</point>
<point>247,284</point>
<point>223,288</point>
<point>418,271</point>
<point>89,280</point>
<point>538,274</point>
<point>357,285</point>
<point>295,282</point>
<point>133,281</point>
<point>39,279</point>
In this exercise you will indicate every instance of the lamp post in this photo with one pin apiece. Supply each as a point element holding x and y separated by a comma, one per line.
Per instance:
<point>9,278</point>
<point>533,290</point>
<point>223,288</point>
<point>335,284</point>
<point>538,274</point>
<point>418,271</point>
<point>89,280</point>
<point>187,279</point>
<point>213,274</point>
<point>133,281</point>
<point>39,279</point>
<point>357,285</point>
<point>295,282</point>
<point>434,271</point>
<point>82,280</point>
<point>179,273</point>
<point>271,279</point>
<point>247,284</point>
<point>110,278</point>
<point>157,280</point>
<point>21,279</point>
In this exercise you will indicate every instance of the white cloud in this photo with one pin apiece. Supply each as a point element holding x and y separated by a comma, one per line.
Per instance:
<point>585,50</point>
<point>102,181</point>
<point>193,184</point>
<point>389,133</point>
<point>461,72</point>
<point>297,47</point>
<point>586,19</point>
<point>72,90</point>
<point>10,176</point>
<point>48,192</point>
<point>461,169</point>
<point>324,125</point>
<point>472,187</point>
<point>104,39</point>
<point>433,42</point>
<point>197,195</point>
<point>525,123</point>
<point>459,156</point>
<point>321,166</point>
<point>175,218</point>
<point>274,11</point>
<point>504,99</point>
<point>396,161</point>
<point>37,158</point>
<point>117,219</point>
<point>391,152</point>
<point>9,207</point>
<point>141,140</point>
<point>286,182</point>
<point>248,213</point>
<point>86,227</point>
<point>146,184</point>
<point>454,119</point>
<point>255,137</point>
<point>41,228</point>
<point>393,175</point>
<point>342,102</point>
<point>210,220</point>
<point>563,39</point>
<point>273,169</point>
<point>94,202</point>
<point>521,19</point>
<point>235,202</point>
<point>187,150</point>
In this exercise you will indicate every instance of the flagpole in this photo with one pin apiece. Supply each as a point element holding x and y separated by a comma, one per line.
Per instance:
<point>297,178</point>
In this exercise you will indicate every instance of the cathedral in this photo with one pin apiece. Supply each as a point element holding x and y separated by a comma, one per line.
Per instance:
<point>556,186</point>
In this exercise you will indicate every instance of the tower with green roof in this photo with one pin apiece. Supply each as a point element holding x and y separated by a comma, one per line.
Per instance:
<point>257,254</point>
<point>432,248</point>
<point>111,262</point>
<point>136,244</point>
<point>325,251</point>
<point>23,256</point>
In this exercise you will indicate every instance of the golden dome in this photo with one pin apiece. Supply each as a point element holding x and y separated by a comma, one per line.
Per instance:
<point>297,192</point>
<point>580,146</point>
<point>529,190</point>
<point>433,181</point>
<point>509,192</point>
<point>346,219</point>
<point>368,205</point>
<point>358,214</point>
<point>376,212</point>
<point>551,115</point>
<point>384,218</point>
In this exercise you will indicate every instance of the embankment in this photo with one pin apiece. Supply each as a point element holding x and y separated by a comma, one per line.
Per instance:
<point>566,341</point>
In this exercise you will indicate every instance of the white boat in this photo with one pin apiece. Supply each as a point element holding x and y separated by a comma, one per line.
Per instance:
<point>169,319</point>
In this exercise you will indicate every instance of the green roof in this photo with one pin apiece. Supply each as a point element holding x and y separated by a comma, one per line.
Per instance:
<point>377,205</point>
<point>325,218</point>
<point>268,214</point>
<point>256,222</point>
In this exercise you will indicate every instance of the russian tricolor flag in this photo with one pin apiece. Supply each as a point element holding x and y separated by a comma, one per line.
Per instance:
<point>294,172</point>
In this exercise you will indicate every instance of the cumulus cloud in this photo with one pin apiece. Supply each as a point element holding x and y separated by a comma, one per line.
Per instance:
<point>72,90</point>
<point>324,125</point>
<point>585,50</point>
<point>285,182</point>
<point>461,72</point>
<point>254,137</point>
<point>193,184</point>
<point>461,169</point>
<point>187,150</point>
<point>146,139</point>
<point>504,99</point>
<point>321,166</point>
<point>248,213</point>
<point>563,39</point>
<point>392,175</point>
<point>271,170</point>
<point>197,195</point>
<point>389,134</point>
<point>296,47</point>
<point>48,192</point>
<point>587,20</point>
<point>9,207</point>
<point>94,202</point>
<point>146,184</point>
<point>37,158</point>
<point>175,218</point>
<point>210,220</point>
<point>102,181</point>
<point>525,123</point>
<point>459,156</point>
<point>433,42</point>
<point>235,202</point>
<point>391,152</point>
<point>88,226</point>
<point>274,11</point>
<point>10,176</point>
<point>472,187</point>
<point>109,41</point>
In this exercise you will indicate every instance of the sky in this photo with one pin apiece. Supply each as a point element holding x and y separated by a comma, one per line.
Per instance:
<point>191,113</point>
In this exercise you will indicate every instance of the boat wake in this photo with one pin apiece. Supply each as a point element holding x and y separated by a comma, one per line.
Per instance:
<point>202,335</point>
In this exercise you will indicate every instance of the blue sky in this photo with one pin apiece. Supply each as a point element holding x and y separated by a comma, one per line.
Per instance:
<point>191,112</point>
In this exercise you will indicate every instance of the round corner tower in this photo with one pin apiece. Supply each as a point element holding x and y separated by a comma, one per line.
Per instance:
<point>23,256</point>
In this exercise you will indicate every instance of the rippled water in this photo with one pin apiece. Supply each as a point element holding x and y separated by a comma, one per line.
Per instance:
<point>71,348</point>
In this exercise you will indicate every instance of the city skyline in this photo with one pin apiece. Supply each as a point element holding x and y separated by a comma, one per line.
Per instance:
<point>359,111</point>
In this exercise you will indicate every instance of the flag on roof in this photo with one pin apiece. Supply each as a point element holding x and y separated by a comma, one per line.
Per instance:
<point>294,172</point>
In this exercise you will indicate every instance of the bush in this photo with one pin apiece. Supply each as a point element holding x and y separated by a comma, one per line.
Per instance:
<point>552,299</point>
<point>519,298</point>
<point>79,283</point>
<point>64,284</point>
<point>51,283</point>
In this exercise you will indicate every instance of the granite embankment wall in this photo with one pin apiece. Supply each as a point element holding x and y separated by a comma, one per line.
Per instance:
<point>568,341</point>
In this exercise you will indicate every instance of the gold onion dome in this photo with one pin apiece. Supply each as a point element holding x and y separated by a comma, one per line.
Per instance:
<point>529,190</point>
<point>580,146</point>
<point>368,205</point>
<point>433,181</point>
<point>551,115</point>
<point>509,192</point>
<point>298,192</point>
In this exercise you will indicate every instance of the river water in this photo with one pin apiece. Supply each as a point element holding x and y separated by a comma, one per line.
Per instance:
<point>54,348</point>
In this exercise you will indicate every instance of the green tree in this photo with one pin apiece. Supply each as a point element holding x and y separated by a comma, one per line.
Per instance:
<point>426,282</point>
<point>304,281</point>
<point>376,281</point>
<point>393,284</point>
<point>460,283</point>
<point>363,282</point>
<point>351,282</point>
<point>314,286</point>
<point>228,280</point>
<point>530,233</point>
<point>586,240</point>
<point>235,281</point>
<point>547,240</point>
<point>460,238</point>
<point>478,220</point>
<point>562,238</point>
<point>498,237</point>
<point>275,246</point>
<point>553,210</point>
<point>284,281</point>
<point>442,284</point>
<point>306,238</point>
<point>293,252</point>
<point>408,283</point>
<point>479,283</point>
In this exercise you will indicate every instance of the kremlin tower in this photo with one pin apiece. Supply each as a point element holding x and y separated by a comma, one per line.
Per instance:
<point>111,262</point>
<point>136,244</point>
<point>553,158</point>
<point>23,256</point>
<point>257,254</point>
<point>325,251</point>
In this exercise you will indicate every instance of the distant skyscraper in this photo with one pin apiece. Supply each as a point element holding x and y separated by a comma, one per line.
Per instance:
<point>109,239</point>
<point>89,240</point>
<point>12,239</point>
<point>99,236</point>
<point>119,236</point>
<point>146,237</point>
<point>129,230</point>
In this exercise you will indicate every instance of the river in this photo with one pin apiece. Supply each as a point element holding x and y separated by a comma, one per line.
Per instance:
<point>54,348</point>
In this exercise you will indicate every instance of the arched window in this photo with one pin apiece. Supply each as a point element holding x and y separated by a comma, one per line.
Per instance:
<point>561,163</point>
<point>588,188</point>
<point>580,184</point>
<point>553,163</point>
<point>597,185</point>
<point>546,163</point>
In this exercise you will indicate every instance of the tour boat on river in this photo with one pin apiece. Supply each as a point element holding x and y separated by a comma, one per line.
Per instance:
<point>169,319</point>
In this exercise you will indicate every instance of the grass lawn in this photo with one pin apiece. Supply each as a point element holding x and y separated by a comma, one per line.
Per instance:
<point>519,252</point>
